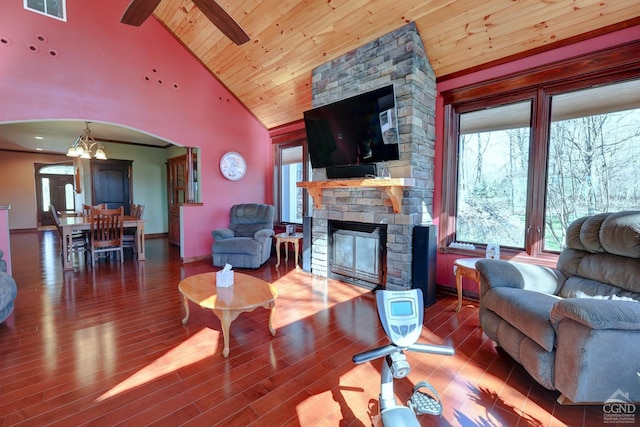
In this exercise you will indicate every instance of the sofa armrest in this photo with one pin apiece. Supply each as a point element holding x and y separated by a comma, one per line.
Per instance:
<point>598,313</point>
<point>222,234</point>
<point>597,344</point>
<point>496,273</point>
<point>263,235</point>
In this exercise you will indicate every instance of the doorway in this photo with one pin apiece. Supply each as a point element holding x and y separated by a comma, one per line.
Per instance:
<point>111,183</point>
<point>54,186</point>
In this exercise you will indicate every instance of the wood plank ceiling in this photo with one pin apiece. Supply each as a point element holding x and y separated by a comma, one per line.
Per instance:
<point>271,74</point>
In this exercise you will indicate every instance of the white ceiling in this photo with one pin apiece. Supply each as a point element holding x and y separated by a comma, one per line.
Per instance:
<point>57,135</point>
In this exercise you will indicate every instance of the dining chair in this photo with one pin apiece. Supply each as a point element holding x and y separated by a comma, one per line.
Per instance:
<point>106,231</point>
<point>86,209</point>
<point>79,241</point>
<point>130,235</point>
<point>67,213</point>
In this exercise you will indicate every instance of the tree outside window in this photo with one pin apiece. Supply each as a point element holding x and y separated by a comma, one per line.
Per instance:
<point>492,175</point>
<point>594,156</point>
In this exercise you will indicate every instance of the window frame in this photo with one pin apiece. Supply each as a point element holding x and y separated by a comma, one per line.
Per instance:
<point>539,85</point>
<point>45,12</point>
<point>284,141</point>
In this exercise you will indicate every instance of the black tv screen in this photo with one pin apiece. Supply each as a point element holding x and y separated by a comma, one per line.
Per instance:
<point>361,129</point>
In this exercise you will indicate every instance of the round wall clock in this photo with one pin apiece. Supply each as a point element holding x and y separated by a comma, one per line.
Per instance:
<point>233,166</point>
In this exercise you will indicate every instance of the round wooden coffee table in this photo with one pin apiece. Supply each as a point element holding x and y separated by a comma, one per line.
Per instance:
<point>246,294</point>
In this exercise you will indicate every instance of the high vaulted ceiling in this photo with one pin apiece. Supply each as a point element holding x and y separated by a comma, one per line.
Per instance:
<point>271,74</point>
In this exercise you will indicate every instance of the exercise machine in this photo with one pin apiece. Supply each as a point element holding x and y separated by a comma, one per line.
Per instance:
<point>401,314</point>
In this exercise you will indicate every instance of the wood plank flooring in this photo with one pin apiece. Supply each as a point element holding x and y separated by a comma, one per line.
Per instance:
<point>105,346</point>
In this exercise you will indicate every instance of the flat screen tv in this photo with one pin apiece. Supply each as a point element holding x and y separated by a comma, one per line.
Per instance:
<point>361,129</point>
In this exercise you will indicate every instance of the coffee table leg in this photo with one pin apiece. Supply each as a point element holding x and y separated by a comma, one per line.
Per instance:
<point>272,310</point>
<point>226,317</point>
<point>278,252</point>
<point>186,310</point>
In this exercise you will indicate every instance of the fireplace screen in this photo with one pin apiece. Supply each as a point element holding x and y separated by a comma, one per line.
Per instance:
<point>357,251</point>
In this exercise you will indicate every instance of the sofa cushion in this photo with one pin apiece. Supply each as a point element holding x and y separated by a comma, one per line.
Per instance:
<point>527,311</point>
<point>578,287</point>
<point>620,234</point>
<point>614,270</point>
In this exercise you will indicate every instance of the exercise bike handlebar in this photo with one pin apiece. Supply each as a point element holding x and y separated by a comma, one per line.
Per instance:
<point>388,349</point>
<point>443,350</point>
<point>375,353</point>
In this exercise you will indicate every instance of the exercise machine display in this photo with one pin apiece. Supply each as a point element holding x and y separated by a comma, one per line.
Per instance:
<point>401,314</point>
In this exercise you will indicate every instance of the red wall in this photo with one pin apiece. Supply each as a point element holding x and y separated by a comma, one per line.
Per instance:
<point>444,263</point>
<point>94,68</point>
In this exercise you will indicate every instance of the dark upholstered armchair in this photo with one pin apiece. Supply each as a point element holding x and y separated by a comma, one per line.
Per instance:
<point>247,242</point>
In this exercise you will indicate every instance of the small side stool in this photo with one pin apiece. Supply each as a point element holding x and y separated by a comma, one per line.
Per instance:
<point>464,267</point>
<point>286,239</point>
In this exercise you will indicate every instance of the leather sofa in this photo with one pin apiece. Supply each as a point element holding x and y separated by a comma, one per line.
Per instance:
<point>575,328</point>
<point>8,291</point>
<point>248,240</point>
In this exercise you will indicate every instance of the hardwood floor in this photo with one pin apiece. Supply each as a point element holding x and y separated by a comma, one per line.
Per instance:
<point>105,346</point>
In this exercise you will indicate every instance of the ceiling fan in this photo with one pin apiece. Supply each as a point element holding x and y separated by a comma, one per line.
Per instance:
<point>139,10</point>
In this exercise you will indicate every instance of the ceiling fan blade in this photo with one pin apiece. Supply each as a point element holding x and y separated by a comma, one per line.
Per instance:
<point>222,20</point>
<point>138,11</point>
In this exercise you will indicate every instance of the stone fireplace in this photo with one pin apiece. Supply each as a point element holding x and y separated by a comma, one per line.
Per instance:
<point>397,58</point>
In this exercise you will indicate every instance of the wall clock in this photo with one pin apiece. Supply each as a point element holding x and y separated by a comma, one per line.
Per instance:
<point>233,166</point>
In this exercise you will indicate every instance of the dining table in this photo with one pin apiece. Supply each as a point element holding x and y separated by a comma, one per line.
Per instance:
<point>74,224</point>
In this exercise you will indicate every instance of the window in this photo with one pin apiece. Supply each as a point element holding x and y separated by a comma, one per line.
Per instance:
<point>289,169</point>
<point>54,8</point>
<point>536,151</point>
<point>492,174</point>
<point>291,165</point>
<point>62,169</point>
<point>594,156</point>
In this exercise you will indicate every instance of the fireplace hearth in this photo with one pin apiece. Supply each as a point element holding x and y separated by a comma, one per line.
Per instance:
<point>358,252</point>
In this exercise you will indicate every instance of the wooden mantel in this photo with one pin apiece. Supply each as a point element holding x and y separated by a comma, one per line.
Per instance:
<point>392,186</point>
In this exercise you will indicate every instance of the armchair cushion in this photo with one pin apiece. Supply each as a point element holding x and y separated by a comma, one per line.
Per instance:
<point>263,235</point>
<point>222,234</point>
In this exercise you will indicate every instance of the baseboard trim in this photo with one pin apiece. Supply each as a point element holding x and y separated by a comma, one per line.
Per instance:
<point>452,291</point>
<point>156,236</point>
<point>195,259</point>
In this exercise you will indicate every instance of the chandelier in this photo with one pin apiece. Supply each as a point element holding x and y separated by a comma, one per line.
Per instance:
<point>84,146</point>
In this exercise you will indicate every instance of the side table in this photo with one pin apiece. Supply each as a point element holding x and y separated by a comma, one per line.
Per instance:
<point>464,267</point>
<point>286,239</point>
